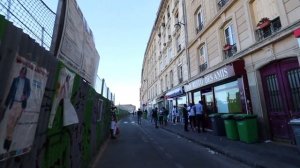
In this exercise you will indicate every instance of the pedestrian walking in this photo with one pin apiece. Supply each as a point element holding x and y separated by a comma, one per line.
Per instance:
<point>185,117</point>
<point>139,116</point>
<point>199,116</point>
<point>113,127</point>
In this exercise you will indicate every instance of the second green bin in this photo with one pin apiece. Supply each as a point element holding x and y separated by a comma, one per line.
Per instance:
<point>247,127</point>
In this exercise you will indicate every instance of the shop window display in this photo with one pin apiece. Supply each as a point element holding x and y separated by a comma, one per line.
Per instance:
<point>228,98</point>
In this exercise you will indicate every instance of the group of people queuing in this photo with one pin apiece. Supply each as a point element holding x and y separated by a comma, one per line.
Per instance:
<point>160,116</point>
<point>195,115</point>
<point>192,115</point>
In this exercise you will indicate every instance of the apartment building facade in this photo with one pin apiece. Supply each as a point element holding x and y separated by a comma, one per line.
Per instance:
<point>165,65</point>
<point>244,58</point>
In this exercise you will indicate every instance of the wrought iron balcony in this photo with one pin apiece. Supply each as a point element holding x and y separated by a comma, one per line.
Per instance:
<point>268,30</point>
<point>222,3</point>
<point>203,67</point>
<point>199,28</point>
<point>229,50</point>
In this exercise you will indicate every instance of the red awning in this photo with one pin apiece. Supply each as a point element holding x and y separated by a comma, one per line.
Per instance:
<point>297,33</point>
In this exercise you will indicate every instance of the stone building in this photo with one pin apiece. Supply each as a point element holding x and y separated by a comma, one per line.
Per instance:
<point>243,57</point>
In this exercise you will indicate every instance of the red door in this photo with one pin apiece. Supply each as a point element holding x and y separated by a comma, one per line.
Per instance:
<point>281,84</point>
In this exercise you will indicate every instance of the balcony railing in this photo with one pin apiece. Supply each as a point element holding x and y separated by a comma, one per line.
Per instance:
<point>180,79</point>
<point>203,67</point>
<point>199,28</point>
<point>178,48</point>
<point>230,51</point>
<point>222,3</point>
<point>272,28</point>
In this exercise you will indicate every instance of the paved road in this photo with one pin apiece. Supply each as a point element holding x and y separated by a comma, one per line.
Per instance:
<point>143,146</point>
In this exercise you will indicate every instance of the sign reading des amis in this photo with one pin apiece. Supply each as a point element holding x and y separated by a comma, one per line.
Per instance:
<point>215,76</point>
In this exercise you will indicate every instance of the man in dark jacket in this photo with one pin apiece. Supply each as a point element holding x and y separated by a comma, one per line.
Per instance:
<point>16,102</point>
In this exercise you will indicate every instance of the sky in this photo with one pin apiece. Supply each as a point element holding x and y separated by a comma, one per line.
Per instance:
<point>121,31</point>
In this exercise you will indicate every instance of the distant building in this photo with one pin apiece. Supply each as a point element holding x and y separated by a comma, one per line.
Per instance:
<point>128,107</point>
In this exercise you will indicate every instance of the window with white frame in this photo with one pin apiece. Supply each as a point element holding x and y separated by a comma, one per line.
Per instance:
<point>199,20</point>
<point>171,78</point>
<point>229,47</point>
<point>180,73</point>
<point>166,82</point>
<point>170,56</point>
<point>162,85</point>
<point>178,45</point>
<point>176,17</point>
<point>229,35</point>
<point>202,58</point>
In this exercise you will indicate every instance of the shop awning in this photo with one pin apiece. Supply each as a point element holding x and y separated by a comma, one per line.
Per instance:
<point>175,92</point>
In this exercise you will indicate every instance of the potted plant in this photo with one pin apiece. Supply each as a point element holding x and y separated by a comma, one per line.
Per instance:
<point>264,22</point>
<point>227,47</point>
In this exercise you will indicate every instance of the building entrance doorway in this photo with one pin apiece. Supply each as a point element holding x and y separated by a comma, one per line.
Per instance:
<point>208,105</point>
<point>281,85</point>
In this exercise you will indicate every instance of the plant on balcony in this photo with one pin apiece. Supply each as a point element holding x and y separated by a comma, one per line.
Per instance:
<point>264,22</point>
<point>227,47</point>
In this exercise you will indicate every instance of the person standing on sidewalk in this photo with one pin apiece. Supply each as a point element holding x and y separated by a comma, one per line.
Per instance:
<point>185,117</point>
<point>155,116</point>
<point>113,127</point>
<point>199,116</point>
<point>139,116</point>
<point>166,113</point>
<point>161,116</point>
<point>174,114</point>
<point>191,111</point>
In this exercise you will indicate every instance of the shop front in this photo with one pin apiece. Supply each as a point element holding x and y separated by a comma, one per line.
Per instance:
<point>224,90</point>
<point>176,97</point>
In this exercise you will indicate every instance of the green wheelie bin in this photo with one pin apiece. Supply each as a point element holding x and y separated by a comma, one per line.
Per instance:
<point>230,126</point>
<point>247,127</point>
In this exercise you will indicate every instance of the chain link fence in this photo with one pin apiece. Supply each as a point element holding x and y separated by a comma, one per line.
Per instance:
<point>33,16</point>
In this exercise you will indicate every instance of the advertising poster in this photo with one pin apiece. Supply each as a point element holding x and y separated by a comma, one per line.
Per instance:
<point>20,108</point>
<point>62,98</point>
<point>77,47</point>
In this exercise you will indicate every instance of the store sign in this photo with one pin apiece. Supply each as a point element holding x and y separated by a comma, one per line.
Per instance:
<point>215,76</point>
<point>175,92</point>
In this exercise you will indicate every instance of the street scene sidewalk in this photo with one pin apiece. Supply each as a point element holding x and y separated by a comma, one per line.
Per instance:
<point>260,154</point>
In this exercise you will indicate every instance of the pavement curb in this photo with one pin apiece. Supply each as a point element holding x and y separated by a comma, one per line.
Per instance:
<point>218,150</point>
<point>102,149</point>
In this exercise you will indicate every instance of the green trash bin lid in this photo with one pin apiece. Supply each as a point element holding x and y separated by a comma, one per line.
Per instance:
<point>244,116</point>
<point>295,121</point>
<point>214,115</point>
<point>228,116</point>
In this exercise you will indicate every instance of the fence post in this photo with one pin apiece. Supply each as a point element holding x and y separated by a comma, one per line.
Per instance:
<point>42,39</point>
<point>8,10</point>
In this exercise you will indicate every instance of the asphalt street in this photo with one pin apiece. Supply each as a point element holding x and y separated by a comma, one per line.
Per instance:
<point>149,147</point>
